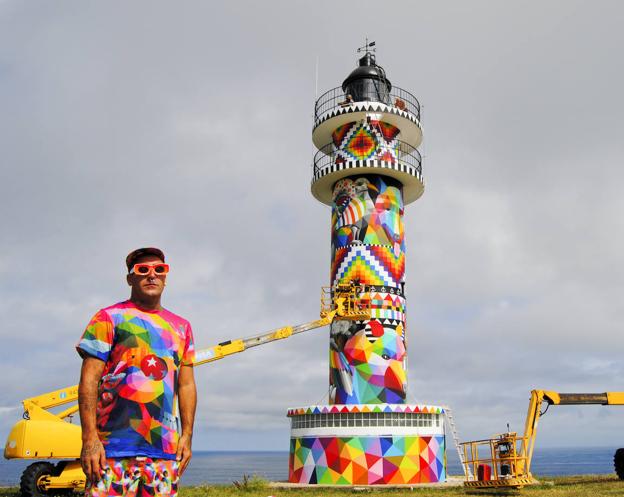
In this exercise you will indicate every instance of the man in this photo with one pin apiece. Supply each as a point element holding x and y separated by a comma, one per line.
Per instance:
<point>137,361</point>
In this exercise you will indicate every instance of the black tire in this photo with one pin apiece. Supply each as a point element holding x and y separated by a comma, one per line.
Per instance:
<point>618,462</point>
<point>29,483</point>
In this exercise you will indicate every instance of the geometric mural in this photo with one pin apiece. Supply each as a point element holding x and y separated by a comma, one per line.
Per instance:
<point>364,408</point>
<point>366,362</point>
<point>387,306</point>
<point>361,460</point>
<point>367,359</point>
<point>365,140</point>
<point>368,210</point>
<point>361,437</point>
<point>369,265</point>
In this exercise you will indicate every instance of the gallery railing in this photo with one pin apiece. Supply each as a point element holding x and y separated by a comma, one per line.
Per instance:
<point>402,153</point>
<point>336,97</point>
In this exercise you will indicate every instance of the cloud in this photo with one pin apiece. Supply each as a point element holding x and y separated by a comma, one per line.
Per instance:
<point>189,128</point>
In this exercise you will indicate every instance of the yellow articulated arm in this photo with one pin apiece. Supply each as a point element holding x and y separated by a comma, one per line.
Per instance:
<point>605,398</point>
<point>530,427</point>
<point>56,398</point>
<point>210,354</point>
<point>557,399</point>
<point>511,465</point>
<point>43,434</point>
<point>202,356</point>
<point>230,347</point>
<point>345,301</point>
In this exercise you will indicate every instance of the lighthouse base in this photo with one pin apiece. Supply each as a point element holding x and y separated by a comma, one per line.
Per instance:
<point>367,444</point>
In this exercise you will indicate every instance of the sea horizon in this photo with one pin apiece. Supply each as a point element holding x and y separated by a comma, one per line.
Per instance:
<point>222,467</point>
<point>448,449</point>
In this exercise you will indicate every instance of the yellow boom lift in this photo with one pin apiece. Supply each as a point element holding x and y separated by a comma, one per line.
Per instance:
<point>505,459</point>
<point>42,434</point>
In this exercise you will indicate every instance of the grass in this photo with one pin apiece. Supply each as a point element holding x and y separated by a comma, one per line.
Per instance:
<point>567,486</point>
<point>572,486</point>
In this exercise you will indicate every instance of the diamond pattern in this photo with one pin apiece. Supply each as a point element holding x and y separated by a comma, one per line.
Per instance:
<point>367,460</point>
<point>362,145</point>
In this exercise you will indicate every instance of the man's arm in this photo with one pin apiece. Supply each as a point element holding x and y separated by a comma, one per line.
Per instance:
<point>187,399</point>
<point>92,456</point>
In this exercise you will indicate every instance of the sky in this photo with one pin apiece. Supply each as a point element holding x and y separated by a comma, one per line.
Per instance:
<point>187,126</point>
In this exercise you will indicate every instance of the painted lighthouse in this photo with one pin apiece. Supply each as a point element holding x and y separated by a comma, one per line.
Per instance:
<point>367,169</point>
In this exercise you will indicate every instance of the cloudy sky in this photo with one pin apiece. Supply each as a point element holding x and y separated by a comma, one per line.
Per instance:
<point>188,126</point>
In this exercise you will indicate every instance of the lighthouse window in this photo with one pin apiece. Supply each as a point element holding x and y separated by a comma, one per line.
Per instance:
<point>402,419</point>
<point>368,89</point>
<point>365,419</point>
<point>358,419</point>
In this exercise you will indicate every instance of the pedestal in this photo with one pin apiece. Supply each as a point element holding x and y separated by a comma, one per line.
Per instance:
<point>367,444</point>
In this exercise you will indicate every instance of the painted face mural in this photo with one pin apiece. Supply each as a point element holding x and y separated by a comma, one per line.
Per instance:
<point>367,357</point>
<point>368,211</point>
<point>366,363</point>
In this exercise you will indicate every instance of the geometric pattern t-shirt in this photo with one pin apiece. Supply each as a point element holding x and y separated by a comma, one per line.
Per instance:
<point>137,395</point>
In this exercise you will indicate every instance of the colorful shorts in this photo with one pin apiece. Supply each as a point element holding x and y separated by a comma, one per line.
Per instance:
<point>137,476</point>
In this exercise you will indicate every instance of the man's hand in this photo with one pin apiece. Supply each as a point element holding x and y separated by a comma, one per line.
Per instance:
<point>93,459</point>
<point>184,453</point>
<point>92,455</point>
<point>187,399</point>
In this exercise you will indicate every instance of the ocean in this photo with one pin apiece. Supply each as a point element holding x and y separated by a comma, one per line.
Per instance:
<point>226,467</point>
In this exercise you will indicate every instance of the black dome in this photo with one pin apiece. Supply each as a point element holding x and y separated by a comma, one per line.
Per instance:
<point>367,69</point>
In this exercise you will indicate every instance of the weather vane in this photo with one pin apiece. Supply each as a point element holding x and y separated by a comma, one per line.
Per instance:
<point>368,47</point>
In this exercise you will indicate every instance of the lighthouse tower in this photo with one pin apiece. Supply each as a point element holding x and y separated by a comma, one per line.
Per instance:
<point>367,169</point>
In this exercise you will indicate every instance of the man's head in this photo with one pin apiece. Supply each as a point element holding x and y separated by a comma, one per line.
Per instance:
<point>147,273</point>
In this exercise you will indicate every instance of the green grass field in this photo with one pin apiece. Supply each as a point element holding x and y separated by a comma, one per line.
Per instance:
<point>574,486</point>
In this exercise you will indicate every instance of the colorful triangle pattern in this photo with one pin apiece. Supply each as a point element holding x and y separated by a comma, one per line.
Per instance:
<point>337,408</point>
<point>368,264</point>
<point>366,140</point>
<point>367,460</point>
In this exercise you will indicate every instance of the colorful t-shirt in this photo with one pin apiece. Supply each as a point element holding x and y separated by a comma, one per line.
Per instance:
<point>143,351</point>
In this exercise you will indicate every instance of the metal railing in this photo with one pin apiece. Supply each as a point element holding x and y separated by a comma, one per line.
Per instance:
<point>336,97</point>
<point>401,153</point>
<point>504,455</point>
<point>349,299</point>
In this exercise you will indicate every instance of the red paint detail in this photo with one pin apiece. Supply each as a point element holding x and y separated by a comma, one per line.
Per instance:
<point>154,367</point>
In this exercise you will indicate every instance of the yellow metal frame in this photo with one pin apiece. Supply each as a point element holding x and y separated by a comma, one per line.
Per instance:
<point>347,301</point>
<point>517,458</point>
<point>506,456</point>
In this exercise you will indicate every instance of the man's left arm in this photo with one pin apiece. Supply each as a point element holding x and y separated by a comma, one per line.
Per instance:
<point>187,399</point>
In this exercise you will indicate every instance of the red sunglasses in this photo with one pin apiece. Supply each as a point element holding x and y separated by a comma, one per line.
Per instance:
<point>159,269</point>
